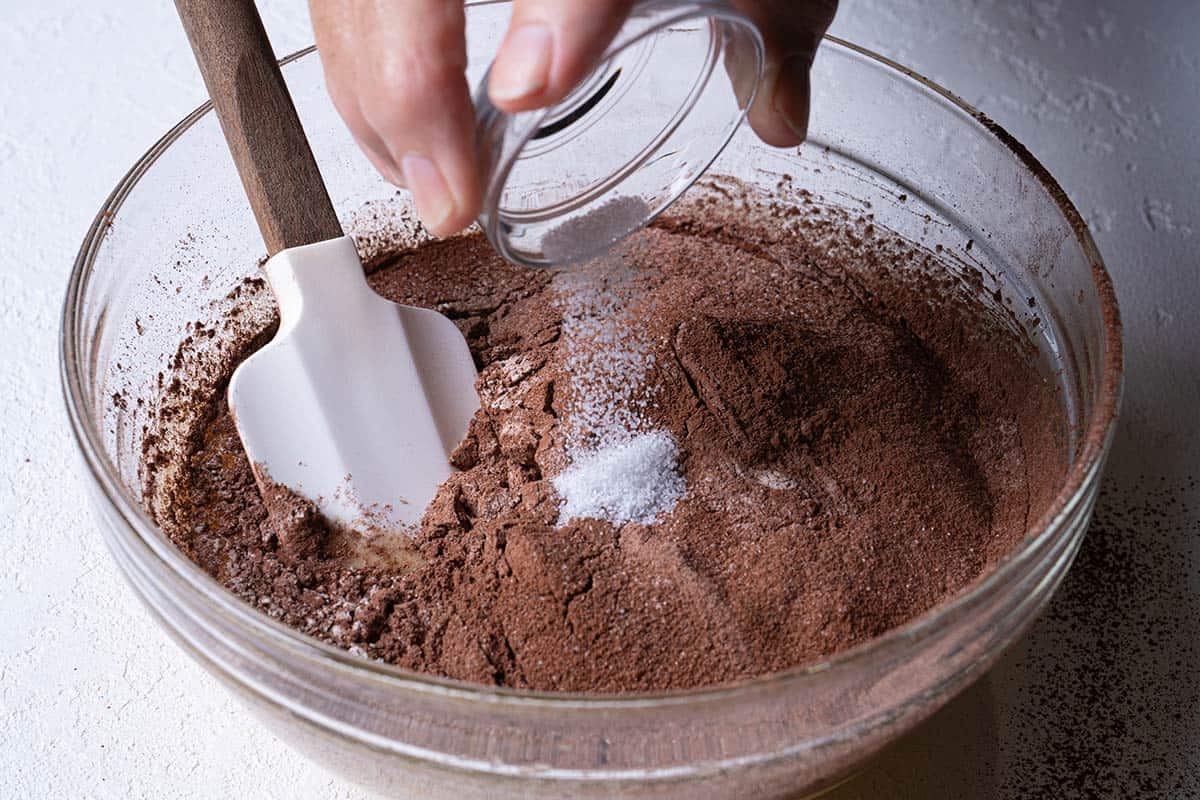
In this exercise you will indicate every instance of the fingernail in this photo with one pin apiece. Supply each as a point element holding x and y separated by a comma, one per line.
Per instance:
<point>382,164</point>
<point>434,201</point>
<point>741,62</point>
<point>394,177</point>
<point>522,68</point>
<point>791,94</point>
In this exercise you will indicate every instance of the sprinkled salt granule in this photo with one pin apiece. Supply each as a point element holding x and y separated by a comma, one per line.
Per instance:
<point>594,232</point>
<point>634,480</point>
<point>620,469</point>
<point>609,356</point>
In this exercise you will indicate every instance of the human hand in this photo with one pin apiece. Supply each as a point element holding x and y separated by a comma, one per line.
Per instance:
<point>395,72</point>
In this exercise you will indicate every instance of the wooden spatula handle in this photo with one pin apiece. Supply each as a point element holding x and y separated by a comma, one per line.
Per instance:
<point>260,122</point>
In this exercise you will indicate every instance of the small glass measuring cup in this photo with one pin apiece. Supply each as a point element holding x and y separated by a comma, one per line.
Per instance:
<point>562,184</point>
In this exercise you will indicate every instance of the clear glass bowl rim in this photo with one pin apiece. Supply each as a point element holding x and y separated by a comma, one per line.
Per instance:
<point>1084,470</point>
<point>494,216</point>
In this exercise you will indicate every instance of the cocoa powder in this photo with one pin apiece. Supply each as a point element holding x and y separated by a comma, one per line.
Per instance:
<point>859,437</point>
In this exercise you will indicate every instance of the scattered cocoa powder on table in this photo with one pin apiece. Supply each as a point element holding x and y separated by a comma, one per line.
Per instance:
<point>855,440</point>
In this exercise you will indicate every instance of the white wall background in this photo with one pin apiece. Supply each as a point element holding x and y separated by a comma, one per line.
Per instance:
<point>94,702</point>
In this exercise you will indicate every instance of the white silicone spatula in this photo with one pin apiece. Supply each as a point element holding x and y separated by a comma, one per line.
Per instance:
<point>357,402</point>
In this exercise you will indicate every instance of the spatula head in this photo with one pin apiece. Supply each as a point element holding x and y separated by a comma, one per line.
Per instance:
<point>357,402</point>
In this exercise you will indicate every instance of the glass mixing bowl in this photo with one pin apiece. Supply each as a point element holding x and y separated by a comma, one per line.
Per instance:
<point>173,246</point>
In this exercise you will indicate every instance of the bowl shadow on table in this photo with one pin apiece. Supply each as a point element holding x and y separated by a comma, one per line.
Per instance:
<point>946,756</point>
<point>1100,694</point>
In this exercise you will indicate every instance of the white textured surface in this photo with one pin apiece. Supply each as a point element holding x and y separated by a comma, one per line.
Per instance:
<point>95,703</point>
<point>631,480</point>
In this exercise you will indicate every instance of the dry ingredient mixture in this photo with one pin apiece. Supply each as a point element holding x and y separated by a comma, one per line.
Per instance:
<point>738,444</point>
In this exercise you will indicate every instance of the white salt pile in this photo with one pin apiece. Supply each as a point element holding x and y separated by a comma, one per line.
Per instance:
<point>635,480</point>
<point>620,469</point>
<point>594,232</point>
